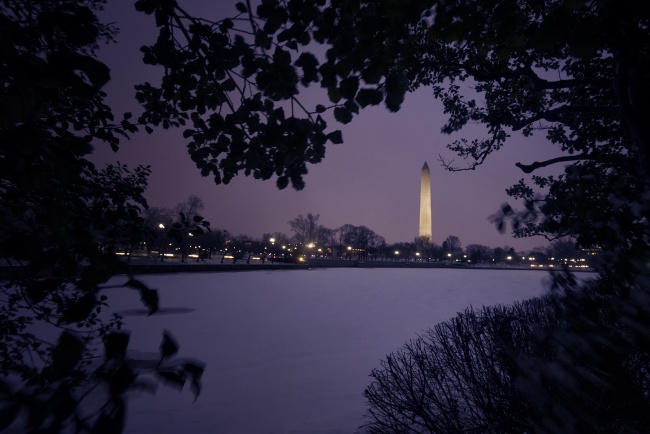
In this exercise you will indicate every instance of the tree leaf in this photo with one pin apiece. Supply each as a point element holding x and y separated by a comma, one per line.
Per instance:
<point>342,115</point>
<point>336,137</point>
<point>349,87</point>
<point>80,309</point>
<point>168,346</point>
<point>229,85</point>
<point>352,106</point>
<point>395,91</point>
<point>195,370</point>
<point>172,378</point>
<point>282,182</point>
<point>115,345</point>
<point>366,97</point>
<point>66,354</point>
<point>149,298</point>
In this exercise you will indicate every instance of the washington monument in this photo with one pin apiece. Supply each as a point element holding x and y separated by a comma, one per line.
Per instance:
<point>425,202</point>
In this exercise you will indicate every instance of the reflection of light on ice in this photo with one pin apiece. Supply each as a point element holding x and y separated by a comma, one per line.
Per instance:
<point>309,336</point>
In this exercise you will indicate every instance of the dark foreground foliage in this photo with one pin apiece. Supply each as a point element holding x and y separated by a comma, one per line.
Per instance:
<point>575,72</point>
<point>457,377</point>
<point>63,358</point>
<point>559,363</point>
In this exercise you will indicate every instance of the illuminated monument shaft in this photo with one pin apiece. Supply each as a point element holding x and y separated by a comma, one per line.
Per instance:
<point>425,202</point>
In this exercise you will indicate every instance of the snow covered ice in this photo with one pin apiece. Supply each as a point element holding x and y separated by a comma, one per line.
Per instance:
<point>290,352</point>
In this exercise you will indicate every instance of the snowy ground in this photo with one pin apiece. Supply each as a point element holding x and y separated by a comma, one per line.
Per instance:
<point>289,352</point>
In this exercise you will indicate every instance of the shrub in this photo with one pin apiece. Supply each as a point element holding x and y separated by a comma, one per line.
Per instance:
<point>574,361</point>
<point>458,376</point>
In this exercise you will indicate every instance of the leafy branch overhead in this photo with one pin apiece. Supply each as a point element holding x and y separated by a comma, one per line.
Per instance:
<point>234,84</point>
<point>62,220</point>
<point>574,72</point>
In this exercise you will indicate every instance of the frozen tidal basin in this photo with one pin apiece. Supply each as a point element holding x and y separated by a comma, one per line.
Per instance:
<point>290,352</point>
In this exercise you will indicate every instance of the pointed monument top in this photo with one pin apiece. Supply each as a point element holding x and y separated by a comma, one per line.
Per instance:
<point>426,166</point>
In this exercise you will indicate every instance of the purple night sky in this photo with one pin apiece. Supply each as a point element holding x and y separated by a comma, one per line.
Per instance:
<point>372,179</point>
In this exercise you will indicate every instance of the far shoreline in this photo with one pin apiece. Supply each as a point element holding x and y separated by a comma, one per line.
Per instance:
<point>155,266</point>
<point>139,265</point>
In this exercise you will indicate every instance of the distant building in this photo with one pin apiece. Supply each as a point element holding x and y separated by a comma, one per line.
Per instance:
<point>425,202</point>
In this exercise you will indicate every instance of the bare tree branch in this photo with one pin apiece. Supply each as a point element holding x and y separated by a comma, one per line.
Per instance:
<point>528,168</point>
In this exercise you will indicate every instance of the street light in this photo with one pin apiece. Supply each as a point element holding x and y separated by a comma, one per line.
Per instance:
<point>272,250</point>
<point>162,246</point>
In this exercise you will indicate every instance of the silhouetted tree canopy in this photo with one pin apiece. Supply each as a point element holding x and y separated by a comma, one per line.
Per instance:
<point>61,220</point>
<point>452,245</point>
<point>306,229</point>
<point>575,72</point>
